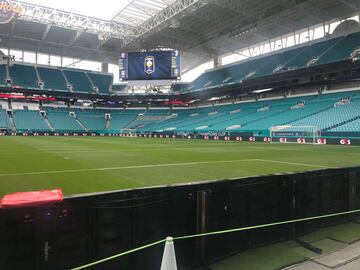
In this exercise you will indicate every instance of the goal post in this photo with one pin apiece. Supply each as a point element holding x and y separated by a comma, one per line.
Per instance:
<point>128,131</point>
<point>308,134</point>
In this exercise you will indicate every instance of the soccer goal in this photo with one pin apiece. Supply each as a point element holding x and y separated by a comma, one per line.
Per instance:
<point>301,134</point>
<point>128,131</point>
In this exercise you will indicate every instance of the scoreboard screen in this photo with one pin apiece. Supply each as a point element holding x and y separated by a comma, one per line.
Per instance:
<point>150,65</point>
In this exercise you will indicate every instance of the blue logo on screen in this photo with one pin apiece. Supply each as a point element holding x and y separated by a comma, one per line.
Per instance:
<point>149,64</point>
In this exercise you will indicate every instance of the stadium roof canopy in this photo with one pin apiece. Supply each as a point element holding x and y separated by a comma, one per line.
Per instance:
<point>202,28</point>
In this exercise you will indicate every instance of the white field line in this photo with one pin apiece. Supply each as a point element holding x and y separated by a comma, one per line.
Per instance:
<point>158,165</point>
<point>127,167</point>
<point>292,163</point>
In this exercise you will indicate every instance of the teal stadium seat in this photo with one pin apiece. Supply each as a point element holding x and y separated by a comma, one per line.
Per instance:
<point>62,122</point>
<point>150,117</point>
<point>79,81</point>
<point>119,86</point>
<point>310,52</point>
<point>120,120</point>
<point>94,120</point>
<point>24,76</point>
<point>318,111</point>
<point>180,87</point>
<point>333,50</point>
<point>341,49</point>
<point>2,74</point>
<point>102,82</point>
<point>29,120</point>
<point>53,79</point>
<point>4,120</point>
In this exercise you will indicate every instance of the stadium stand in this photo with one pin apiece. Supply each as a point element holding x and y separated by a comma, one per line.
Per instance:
<point>62,121</point>
<point>352,126</point>
<point>123,119</point>
<point>101,81</point>
<point>118,87</point>
<point>2,74</point>
<point>325,111</point>
<point>52,78</point>
<point>150,117</point>
<point>79,80</point>
<point>310,52</point>
<point>180,87</point>
<point>29,120</point>
<point>23,76</point>
<point>341,49</point>
<point>256,116</point>
<point>92,119</point>
<point>319,53</point>
<point>4,122</point>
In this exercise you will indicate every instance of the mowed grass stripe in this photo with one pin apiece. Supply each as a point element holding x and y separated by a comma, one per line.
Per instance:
<point>159,165</point>
<point>82,165</point>
<point>126,167</point>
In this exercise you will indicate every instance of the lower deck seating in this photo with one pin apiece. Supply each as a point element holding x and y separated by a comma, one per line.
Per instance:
<point>121,120</point>
<point>324,111</point>
<point>256,116</point>
<point>4,120</point>
<point>29,120</point>
<point>93,120</point>
<point>353,126</point>
<point>62,121</point>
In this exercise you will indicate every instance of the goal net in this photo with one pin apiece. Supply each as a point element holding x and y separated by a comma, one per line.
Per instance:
<point>299,134</point>
<point>128,131</point>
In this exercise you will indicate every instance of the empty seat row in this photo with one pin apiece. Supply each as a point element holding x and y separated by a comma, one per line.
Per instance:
<point>56,79</point>
<point>323,111</point>
<point>322,52</point>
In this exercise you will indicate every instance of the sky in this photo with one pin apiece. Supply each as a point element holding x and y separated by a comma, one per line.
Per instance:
<point>105,9</point>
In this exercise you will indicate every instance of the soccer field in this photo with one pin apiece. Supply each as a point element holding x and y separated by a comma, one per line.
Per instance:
<point>93,164</point>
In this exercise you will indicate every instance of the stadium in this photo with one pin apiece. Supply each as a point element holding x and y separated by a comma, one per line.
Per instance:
<point>180,134</point>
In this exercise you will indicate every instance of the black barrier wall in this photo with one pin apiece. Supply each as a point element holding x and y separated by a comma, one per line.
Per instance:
<point>87,228</point>
<point>349,138</point>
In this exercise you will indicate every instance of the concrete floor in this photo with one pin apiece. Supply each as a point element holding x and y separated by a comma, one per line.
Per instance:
<point>347,258</point>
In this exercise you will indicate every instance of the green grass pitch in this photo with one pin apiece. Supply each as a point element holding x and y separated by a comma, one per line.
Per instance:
<point>94,164</point>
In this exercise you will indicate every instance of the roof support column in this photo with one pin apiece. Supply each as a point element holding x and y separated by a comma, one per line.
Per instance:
<point>105,67</point>
<point>217,61</point>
